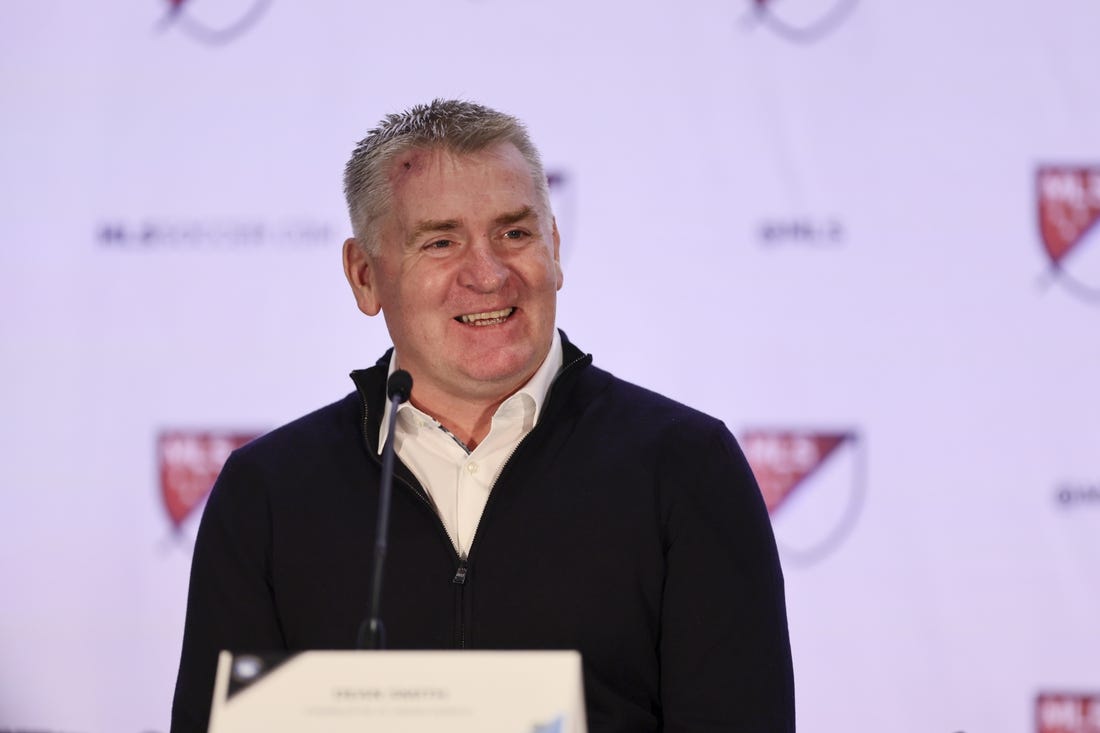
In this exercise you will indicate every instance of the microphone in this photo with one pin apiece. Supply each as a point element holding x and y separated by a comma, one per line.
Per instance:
<point>399,387</point>
<point>372,634</point>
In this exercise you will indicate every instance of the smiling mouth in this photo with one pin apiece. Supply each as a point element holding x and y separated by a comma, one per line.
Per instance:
<point>488,318</point>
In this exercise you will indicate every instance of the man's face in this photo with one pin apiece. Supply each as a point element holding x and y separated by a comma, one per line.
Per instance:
<point>467,272</point>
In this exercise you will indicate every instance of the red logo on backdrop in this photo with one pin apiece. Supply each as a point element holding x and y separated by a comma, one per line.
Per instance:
<point>189,462</point>
<point>1069,209</point>
<point>213,22</point>
<point>801,21</point>
<point>1067,713</point>
<point>812,482</point>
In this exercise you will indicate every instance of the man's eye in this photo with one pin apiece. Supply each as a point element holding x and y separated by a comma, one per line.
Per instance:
<point>439,244</point>
<point>515,234</point>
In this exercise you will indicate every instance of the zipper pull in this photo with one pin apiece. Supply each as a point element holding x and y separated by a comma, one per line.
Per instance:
<point>460,574</point>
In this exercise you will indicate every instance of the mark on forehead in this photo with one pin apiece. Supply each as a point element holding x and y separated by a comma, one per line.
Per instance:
<point>412,158</point>
<point>407,163</point>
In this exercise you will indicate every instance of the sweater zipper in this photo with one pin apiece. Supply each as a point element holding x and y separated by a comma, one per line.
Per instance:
<point>460,602</point>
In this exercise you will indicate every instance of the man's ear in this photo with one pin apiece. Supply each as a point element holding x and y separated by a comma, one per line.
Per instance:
<point>360,271</point>
<point>557,252</point>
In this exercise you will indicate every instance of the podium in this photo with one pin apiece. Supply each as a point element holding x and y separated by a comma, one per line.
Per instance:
<point>399,692</point>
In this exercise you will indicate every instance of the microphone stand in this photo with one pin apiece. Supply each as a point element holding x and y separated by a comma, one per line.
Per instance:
<point>372,634</point>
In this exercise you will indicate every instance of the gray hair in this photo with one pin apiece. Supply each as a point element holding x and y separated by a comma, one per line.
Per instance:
<point>453,125</point>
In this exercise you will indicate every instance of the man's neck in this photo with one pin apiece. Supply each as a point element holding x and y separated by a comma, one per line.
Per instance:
<point>467,412</point>
<point>468,420</point>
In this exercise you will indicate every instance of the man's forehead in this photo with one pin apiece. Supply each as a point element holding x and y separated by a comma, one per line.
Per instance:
<point>420,159</point>
<point>440,183</point>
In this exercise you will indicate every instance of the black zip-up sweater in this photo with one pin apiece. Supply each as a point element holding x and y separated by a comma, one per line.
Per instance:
<point>625,525</point>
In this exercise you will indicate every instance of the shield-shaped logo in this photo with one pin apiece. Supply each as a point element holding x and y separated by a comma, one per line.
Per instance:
<point>801,21</point>
<point>1059,712</point>
<point>812,482</point>
<point>189,462</point>
<point>1069,209</point>
<point>213,22</point>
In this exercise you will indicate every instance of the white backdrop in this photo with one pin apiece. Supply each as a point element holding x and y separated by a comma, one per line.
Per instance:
<point>816,219</point>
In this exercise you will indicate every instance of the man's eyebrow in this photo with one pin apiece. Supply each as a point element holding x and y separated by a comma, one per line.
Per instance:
<point>512,217</point>
<point>431,225</point>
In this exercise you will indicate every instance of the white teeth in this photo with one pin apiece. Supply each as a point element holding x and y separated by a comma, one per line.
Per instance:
<point>489,318</point>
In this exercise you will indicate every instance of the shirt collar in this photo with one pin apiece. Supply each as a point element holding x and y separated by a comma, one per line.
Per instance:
<point>532,393</point>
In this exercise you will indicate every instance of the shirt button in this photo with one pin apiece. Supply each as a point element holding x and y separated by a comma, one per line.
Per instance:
<point>471,467</point>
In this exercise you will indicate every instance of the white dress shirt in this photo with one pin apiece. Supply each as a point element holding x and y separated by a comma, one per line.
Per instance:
<point>458,481</point>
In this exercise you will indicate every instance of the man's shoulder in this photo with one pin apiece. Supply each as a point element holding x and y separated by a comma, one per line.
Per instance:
<point>625,425</point>
<point>324,429</point>
<point>639,407</point>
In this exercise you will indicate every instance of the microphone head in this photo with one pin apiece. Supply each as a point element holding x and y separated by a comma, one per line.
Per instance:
<point>400,386</point>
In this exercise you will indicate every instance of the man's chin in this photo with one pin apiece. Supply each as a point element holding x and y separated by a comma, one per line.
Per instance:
<point>498,373</point>
<point>496,380</point>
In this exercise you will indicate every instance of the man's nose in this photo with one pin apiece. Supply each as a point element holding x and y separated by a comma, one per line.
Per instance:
<point>483,269</point>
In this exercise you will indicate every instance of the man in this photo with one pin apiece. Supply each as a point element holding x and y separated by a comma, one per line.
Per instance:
<point>539,502</point>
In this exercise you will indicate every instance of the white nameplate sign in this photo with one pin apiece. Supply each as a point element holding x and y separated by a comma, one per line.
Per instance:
<point>399,692</point>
